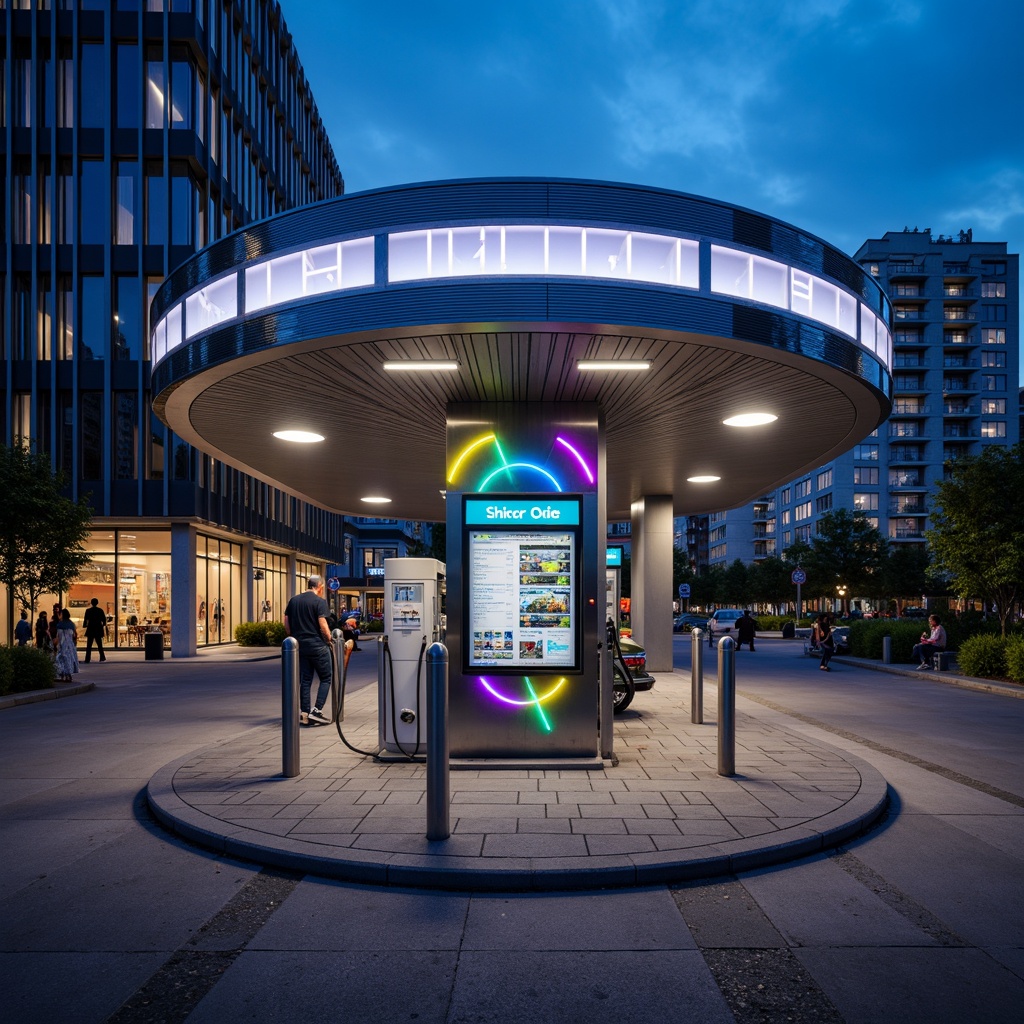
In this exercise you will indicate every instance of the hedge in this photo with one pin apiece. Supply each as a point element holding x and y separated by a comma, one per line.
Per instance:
<point>983,655</point>
<point>25,668</point>
<point>259,634</point>
<point>1015,658</point>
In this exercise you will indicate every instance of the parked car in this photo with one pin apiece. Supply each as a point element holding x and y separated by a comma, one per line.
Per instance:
<point>724,620</point>
<point>911,612</point>
<point>689,621</point>
<point>623,690</point>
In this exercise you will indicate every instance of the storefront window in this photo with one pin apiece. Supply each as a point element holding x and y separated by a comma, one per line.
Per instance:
<point>270,586</point>
<point>218,590</point>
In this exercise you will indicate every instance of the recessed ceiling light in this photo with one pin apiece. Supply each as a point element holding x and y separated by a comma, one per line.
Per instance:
<point>750,419</point>
<point>613,364</point>
<point>298,436</point>
<point>422,364</point>
<point>376,500</point>
<point>703,479</point>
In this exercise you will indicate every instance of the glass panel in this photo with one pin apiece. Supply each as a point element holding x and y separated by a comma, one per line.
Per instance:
<point>92,341</point>
<point>127,318</point>
<point>94,86</point>
<point>824,302</point>
<point>181,94</point>
<point>156,207</point>
<point>159,342</point>
<point>468,250</point>
<point>156,88</point>
<point>91,435</point>
<point>126,435</point>
<point>730,272</point>
<point>407,256</point>
<point>129,110</point>
<point>801,292</point>
<point>847,314</point>
<point>285,278</point>
<point>523,250</point>
<point>211,305</point>
<point>565,251</point>
<point>173,327</point>
<point>769,284</point>
<point>95,187</point>
<point>606,254</point>
<point>127,210</point>
<point>321,269</point>
<point>357,263</point>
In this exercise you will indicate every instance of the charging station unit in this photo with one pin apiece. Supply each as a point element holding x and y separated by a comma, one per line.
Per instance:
<point>414,618</point>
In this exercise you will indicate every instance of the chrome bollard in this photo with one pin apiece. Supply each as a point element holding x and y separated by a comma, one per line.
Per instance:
<point>290,707</point>
<point>338,645</point>
<point>727,706</point>
<point>438,789</point>
<point>886,650</point>
<point>697,677</point>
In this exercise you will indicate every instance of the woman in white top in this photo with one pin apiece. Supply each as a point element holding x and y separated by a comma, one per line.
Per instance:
<point>931,643</point>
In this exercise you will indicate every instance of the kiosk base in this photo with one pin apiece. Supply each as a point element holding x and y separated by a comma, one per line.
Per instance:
<point>547,764</point>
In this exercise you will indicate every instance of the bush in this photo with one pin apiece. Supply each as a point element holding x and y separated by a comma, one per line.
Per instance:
<point>983,655</point>
<point>866,637</point>
<point>1015,658</point>
<point>25,668</point>
<point>374,626</point>
<point>259,634</point>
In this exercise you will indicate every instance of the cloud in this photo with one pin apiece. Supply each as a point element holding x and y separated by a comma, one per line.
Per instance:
<point>997,200</point>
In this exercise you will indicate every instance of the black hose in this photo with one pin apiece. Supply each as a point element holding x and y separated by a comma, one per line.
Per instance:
<point>341,704</point>
<point>613,637</point>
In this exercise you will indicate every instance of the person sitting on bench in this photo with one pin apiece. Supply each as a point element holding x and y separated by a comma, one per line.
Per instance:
<point>931,643</point>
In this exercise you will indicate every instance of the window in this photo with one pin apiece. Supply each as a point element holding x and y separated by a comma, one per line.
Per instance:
<point>785,497</point>
<point>126,432</point>
<point>993,382</point>
<point>993,289</point>
<point>993,336</point>
<point>90,435</point>
<point>182,79</point>
<point>824,479</point>
<point>865,502</point>
<point>802,534</point>
<point>992,312</point>
<point>156,205</point>
<point>803,488</point>
<point>129,93</point>
<point>993,359</point>
<point>993,428</point>
<point>156,88</point>
<point>93,71</point>
<point>866,452</point>
<point>823,504</point>
<point>95,187</point>
<point>92,338</point>
<point>802,511</point>
<point>993,269</point>
<point>865,475</point>
<point>786,517</point>
<point>128,324</point>
<point>126,213</point>
<point>184,207</point>
<point>993,406</point>
<point>900,478</point>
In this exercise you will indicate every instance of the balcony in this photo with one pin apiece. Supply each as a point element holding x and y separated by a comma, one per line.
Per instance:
<point>958,291</point>
<point>908,338</point>
<point>913,508</point>
<point>956,313</point>
<point>905,270</point>
<point>959,362</point>
<point>905,533</point>
<point>956,409</point>
<point>906,454</point>
<point>954,431</point>
<point>958,270</point>
<point>959,338</point>
<point>910,409</point>
<point>910,313</point>
<point>952,386</point>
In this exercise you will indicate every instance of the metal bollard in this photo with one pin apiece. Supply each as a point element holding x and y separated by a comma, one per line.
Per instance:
<point>438,790</point>
<point>338,643</point>
<point>886,650</point>
<point>290,707</point>
<point>697,677</point>
<point>727,706</point>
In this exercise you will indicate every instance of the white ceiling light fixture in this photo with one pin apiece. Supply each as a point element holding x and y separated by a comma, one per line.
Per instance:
<point>424,365</point>
<point>750,419</point>
<point>708,479</point>
<point>613,364</point>
<point>298,436</point>
<point>374,499</point>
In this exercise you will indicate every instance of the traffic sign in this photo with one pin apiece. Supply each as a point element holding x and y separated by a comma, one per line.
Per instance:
<point>334,583</point>
<point>798,576</point>
<point>684,589</point>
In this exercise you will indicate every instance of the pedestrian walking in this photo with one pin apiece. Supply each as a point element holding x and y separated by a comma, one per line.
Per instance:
<point>746,630</point>
<point>826,640</point>
<point>95,624</point>
<point>43,641</point>
<point>67,647</point>
<point>23,630</point>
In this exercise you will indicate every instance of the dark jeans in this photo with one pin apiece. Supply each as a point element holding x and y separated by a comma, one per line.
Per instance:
<point>314,657</point>
<point>827,650</point>
<point>924,652</point>
<point>99,647</point>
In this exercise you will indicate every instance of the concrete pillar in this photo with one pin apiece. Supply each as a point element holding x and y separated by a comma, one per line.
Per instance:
<point>183,590</point>
<point>651,578</point>
<point>250,613</point>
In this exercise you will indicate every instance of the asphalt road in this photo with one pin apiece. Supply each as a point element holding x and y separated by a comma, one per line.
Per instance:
<point>103,916</point>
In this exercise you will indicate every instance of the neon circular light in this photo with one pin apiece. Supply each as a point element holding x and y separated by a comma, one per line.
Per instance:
<point>518,465</point>
<point>537,699</point>
<point>561,446</point>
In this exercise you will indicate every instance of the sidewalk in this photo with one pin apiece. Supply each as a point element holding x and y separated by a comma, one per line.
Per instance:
<point>661,814</point>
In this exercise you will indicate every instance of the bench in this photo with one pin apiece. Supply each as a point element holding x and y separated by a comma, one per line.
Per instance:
<point>942,661</point>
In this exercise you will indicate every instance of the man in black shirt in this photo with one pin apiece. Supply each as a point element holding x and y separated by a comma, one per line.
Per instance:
<point>95,622</point>
<point>305,618</point>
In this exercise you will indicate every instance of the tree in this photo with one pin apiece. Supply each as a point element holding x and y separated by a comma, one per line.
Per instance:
<point>976,536</point>
<point>906,571</point>
<point>42,533</point>
<point>736,584</point>
<point>770,582</point>
<point>849,552</point>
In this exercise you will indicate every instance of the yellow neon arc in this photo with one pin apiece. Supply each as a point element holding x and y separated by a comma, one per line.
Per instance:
<point>472,446</point>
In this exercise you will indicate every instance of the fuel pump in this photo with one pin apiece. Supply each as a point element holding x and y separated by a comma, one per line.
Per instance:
<point>414,618</point>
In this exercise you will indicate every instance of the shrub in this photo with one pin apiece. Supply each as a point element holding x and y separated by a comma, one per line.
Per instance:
<point>866,636</point>
<point>25,668</point>
<point>259,634</point>
<point>983,655</point>
<point>374,626</point>
<point>1015,658</point>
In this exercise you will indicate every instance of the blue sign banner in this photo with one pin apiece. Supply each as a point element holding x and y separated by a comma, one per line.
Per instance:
<point>530,513</point>
<point>613,556</point>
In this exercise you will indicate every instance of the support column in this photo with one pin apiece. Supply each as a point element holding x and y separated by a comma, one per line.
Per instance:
<point>249,610</point>
<point>183,590</point>
<point>651,578</point>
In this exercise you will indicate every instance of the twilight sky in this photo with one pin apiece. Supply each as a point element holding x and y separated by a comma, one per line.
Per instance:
<point>848,118</point>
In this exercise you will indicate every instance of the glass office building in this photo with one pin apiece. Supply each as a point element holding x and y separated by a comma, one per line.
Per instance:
<point>133,133</point>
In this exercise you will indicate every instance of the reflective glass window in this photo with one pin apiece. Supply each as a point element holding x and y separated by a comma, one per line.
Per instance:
<point>128,323</point>
<point>94,86</point>
<point>211,305</point>
<point>565,256</point>
<point>95,187</point>
<point>173,327</point>
<point>129,93</point>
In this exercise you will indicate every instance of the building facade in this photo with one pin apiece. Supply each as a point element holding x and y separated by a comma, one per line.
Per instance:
<point>956,364</point>
<point>135,132</point>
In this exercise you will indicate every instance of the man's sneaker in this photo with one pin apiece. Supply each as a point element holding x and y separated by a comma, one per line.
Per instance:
<point>317,717</point>
<point>922,666</point>
<point>303,718</point>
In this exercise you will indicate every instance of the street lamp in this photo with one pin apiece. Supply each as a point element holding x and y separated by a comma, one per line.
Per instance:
<point>841,589</point>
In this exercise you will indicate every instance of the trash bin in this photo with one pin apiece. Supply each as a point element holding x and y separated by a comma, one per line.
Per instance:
<point>154,645</point>
<point>788,630</point>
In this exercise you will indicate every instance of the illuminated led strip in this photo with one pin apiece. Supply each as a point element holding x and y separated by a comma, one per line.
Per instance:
<point>537,699</point>
<point>579,458</point>
<point>465,452</point>
<point>540,711</point>
<point>517,465</point>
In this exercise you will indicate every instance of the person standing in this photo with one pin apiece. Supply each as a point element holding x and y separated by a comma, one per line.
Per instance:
<point>746,630</point>
<point>94,621</point>
<point>305,618</point>
<point>23,630</point>
<point>67,647</point>
<point>826,640</point>
<point>43,641</point>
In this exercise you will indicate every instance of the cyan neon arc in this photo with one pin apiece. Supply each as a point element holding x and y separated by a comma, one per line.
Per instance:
<point>502,473</point>
<point>534,700</point>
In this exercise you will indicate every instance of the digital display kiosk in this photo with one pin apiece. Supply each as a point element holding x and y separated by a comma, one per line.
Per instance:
<point>522,584</point>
